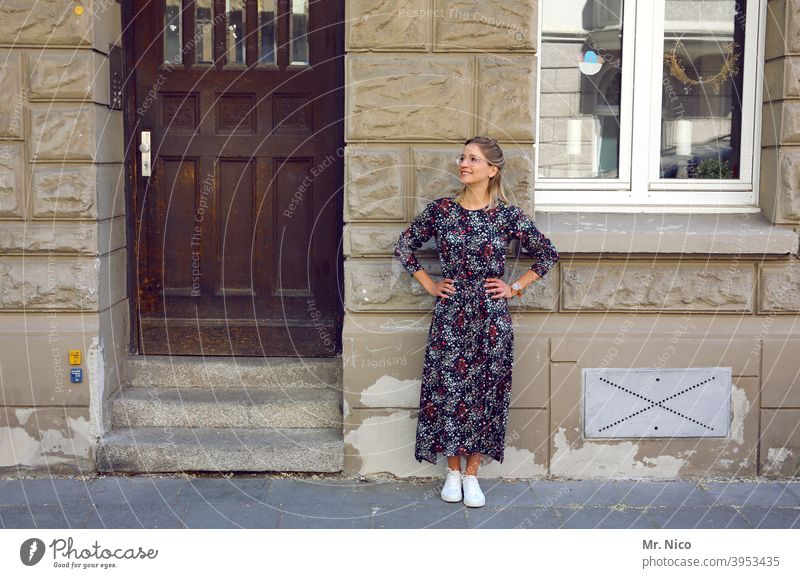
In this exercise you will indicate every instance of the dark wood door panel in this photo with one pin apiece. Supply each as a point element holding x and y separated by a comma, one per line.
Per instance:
<point>237,229</point>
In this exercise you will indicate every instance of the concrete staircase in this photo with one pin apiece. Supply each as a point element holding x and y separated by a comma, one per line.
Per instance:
<point>224,414</point>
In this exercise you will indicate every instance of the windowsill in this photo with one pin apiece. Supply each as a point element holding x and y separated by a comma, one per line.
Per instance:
<point>625,233</point>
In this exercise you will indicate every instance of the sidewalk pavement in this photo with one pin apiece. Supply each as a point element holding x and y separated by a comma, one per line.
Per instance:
<point>320,501</point>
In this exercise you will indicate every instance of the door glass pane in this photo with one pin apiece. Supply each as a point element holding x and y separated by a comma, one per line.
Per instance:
<point>701,105</point>
<point>235,11</point>
<point>172,32</point>
<point>299,32</point>
<point>204,33</point>
<point>266,31</point>
<point>580,84</point>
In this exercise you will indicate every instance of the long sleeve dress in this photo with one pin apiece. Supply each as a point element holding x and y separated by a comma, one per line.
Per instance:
<point>466,378</point>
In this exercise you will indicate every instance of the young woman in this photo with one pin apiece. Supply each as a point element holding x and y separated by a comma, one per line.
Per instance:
<point>466,379</point>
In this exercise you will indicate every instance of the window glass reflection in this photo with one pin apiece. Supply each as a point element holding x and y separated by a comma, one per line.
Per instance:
<point>172,32</point>
<point>266,31</point>
<point>701,106</point>
<point>580,84</point>
<point>204,31</point>
<point>235,27</point>
<point>299,32</point>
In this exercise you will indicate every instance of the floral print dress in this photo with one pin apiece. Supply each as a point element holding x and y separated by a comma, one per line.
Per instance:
<point>466,377</point>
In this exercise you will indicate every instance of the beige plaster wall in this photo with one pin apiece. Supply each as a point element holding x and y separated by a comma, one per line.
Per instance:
<point>424,75</point>
<point>62,232</point>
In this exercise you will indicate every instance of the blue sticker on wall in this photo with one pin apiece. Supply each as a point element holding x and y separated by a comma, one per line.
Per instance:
<point>76,375</point>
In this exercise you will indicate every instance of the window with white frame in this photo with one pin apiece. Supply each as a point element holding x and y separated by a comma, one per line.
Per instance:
<point>647,105</point>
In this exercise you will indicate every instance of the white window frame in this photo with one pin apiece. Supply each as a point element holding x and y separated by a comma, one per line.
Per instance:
<point>638,188</point>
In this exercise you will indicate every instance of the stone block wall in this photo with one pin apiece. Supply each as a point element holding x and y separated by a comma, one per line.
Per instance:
<point>424,75</point>
<point>780,135</point>
<point>779,282</point>
<point>62,236</point>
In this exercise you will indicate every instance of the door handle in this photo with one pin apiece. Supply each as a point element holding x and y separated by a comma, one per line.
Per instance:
<point>144,149</point>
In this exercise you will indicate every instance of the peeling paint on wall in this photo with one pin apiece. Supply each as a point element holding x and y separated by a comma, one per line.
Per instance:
<point>18,447</point>
<point>740,405</point>
<point>21,448</point>
<point>385,443</point>
<point>775,459</point>
<point>410,325</point>
<point>23,414</point>
<point>389,391</point>
<point>95,367</point>
<point>81,431</point>
<point>604,460</point>
<point>517,463</point>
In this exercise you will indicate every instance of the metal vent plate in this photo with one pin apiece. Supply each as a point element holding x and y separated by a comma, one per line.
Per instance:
<point>651,402</point>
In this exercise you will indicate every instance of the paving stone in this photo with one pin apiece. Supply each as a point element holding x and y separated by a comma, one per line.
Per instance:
<point>716,517</point>
<point>11,493</point>
<point>226,515</point>
<point>752,494</point>
<point>577,492</point>
<point>144,490</point>
<point>677,493</point>
<point>330,509</point>
<point>45,492</point>
<point>243,491</point>
<point>16,517</point>
<point>340,517</point>
<point>601,517</point>
<point>512,517</point>
<point>320,491</point>
<point>19,517</point>
<point>134,516</point>
<point>266,502</point>
<point>775,518</point>
<point>502,493</point>
<point>380,493</point>
<point>421,516</point>
<point>794,488</point>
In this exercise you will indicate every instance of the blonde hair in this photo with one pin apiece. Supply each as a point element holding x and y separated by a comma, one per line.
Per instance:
<point>494,156</point>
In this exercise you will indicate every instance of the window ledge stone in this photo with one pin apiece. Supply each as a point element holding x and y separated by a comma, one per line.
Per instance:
<point>673,233</point>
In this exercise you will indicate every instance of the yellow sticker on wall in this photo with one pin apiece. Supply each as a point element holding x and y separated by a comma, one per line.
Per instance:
<point>74,356</point>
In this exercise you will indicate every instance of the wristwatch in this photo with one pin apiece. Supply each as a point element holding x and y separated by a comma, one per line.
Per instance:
<point>516,289</point>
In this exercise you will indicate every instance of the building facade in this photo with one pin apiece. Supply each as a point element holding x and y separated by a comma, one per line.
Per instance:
<point>654,143</point>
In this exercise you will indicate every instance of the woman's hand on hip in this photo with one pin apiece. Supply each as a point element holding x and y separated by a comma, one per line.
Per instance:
<point>497,288</point>
<point>444,288</point>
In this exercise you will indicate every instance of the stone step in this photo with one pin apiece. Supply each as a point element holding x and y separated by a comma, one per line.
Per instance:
<point>226,408</point>
<point>152,450</point>
<point>233,372</point>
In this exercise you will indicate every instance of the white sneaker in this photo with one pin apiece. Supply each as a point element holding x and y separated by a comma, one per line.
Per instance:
<point>451,492</point>
<point>473,497</point>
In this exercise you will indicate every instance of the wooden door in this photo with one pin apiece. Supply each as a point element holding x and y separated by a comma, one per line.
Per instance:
<point>236,230</point>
